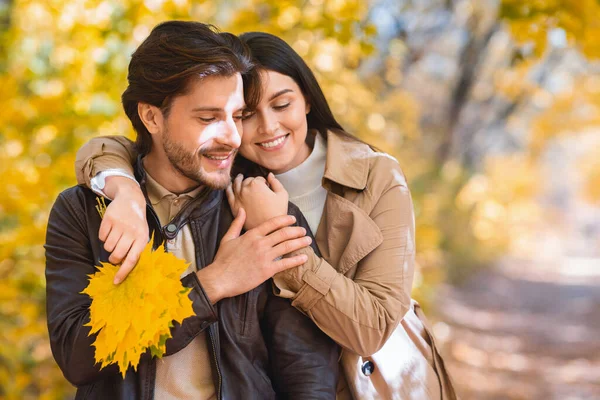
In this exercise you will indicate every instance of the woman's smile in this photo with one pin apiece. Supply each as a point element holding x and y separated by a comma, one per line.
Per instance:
<point>274,144</point>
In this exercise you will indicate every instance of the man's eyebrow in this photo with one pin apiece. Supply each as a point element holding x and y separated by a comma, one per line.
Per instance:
<point>217,109</point>
<point>280,93</point>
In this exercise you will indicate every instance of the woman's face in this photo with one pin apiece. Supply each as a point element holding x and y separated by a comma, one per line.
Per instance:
<point>274,136</point>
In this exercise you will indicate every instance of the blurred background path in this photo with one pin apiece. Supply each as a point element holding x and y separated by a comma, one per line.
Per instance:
<point>524,331</point>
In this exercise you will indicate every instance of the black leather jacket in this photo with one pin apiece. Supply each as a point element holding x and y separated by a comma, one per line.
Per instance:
<point>261,347</point>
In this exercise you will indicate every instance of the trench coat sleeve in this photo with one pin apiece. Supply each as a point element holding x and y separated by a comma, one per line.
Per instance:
<point>361,313</point>
<point>103,153</point>
<point>303,361</point>
<point>69,262</point>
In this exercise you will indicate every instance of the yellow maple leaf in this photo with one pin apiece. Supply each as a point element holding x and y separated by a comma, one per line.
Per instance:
<point>136,315</point>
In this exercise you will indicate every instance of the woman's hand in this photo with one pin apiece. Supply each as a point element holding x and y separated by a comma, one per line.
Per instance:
<point>124,229</point>
<point>260,201</point>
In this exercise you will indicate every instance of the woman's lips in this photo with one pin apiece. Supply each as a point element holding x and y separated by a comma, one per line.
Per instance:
<point>273,144</point>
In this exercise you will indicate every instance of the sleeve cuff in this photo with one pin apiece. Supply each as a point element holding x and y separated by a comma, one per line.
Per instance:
<point>308,283</point>
<point>316,285</point>
<point>201,304</point>
<point>98,182</point>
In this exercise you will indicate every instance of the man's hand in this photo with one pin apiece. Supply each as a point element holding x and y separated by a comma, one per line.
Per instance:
<point>244,262</point>
<point>124,229</point>
<point>260,201</point>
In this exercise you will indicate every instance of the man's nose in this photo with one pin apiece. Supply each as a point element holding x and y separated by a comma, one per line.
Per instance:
<point>230,136</point>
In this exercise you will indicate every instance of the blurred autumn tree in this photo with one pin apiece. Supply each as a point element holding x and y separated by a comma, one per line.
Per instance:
<point>438,84</point>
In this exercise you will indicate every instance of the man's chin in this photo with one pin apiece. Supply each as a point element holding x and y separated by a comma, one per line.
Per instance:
<point>217,180</point>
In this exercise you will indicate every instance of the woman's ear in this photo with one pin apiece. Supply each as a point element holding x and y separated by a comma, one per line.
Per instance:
<point>151,117</point>
<point>307,107</point>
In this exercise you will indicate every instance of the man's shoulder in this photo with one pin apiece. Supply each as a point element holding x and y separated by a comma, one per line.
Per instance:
<point>76,194</point>
<point>78,200</point>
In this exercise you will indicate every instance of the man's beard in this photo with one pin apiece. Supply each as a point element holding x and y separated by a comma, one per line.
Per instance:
<point>189,164</point>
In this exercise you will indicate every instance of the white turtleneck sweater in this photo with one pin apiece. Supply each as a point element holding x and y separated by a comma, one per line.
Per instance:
<point>303,184</point>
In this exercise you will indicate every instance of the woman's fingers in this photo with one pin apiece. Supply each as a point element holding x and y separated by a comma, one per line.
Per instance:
<point>231,199</point>
<point>276,186</point>
<point>121,248</point>
<point>132,258</point>
<point>237,184</point>
<point>113,238</point>
<point>105,228</point>
<point>260,179</point>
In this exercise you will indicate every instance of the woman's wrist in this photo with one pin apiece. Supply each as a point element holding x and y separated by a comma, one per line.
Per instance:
<point>119,186</point>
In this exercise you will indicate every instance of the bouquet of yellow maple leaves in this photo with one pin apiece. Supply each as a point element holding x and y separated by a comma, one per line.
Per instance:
<point>136,315</point>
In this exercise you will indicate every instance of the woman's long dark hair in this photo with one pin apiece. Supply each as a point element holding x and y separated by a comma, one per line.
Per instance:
<point>272,53</point>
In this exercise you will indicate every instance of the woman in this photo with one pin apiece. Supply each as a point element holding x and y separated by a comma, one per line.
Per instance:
<point>358,206</point>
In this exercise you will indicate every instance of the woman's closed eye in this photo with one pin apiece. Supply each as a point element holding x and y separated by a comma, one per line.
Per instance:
<point>281,106</point>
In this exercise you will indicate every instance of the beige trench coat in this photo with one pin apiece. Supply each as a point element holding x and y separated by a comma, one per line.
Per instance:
<point>359,292</point>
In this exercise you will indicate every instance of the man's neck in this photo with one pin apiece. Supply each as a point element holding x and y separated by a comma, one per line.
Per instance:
<point>162,171</point>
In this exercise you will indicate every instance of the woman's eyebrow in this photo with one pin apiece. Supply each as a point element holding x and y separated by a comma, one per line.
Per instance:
<point>280,93</point>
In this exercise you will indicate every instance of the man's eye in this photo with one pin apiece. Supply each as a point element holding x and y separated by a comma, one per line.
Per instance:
<point>247,115</point>
<point>207,119</point>
<point>281,106</point>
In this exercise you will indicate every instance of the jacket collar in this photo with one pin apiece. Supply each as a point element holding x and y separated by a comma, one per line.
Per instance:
<point>204,202</point>
<point>347,161</point>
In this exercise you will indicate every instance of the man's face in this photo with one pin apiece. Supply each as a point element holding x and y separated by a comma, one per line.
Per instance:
<point>202,132</point>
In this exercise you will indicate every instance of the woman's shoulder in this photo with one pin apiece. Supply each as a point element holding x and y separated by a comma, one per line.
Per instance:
<point>349,157</point>
<point>384,170</point>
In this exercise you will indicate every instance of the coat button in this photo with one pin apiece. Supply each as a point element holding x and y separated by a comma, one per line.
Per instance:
<point>171,228</point>
<point>367,368</point>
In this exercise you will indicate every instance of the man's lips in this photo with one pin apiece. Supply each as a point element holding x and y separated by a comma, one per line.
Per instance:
<point>219,159</point>
<point>213,156</point>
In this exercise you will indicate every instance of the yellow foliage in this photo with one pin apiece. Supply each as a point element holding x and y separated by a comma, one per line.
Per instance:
<point>137,314</point>
<point>591,171</point>
<point>571,111</point>
<point>532,20</point>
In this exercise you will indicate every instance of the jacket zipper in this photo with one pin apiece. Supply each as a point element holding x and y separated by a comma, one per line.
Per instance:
<point>196,231</point>
<point>212,342</point>
<point>245,312</point>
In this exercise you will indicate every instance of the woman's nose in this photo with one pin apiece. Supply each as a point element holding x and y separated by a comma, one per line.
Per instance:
<point>268,124</point>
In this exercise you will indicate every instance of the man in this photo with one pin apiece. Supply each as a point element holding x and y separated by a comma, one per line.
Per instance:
<point>185,100</point>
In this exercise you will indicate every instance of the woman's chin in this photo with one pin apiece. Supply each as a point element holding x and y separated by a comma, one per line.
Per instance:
<point>269,164</point>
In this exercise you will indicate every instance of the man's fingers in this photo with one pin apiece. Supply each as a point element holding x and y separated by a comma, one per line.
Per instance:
<point>276,186</point>
<point>290,245</point>
<point>112,240</point>
<point>274,224</point>
<point>236,226</point>
<point>290,262</point>
<point>237,184</point>
<point>283,234</point>
<point>231,199</point>
<point>105,227</point>
<point>132,258</point>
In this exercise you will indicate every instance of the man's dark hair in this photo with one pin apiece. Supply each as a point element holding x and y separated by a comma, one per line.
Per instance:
<point>175,53</point>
